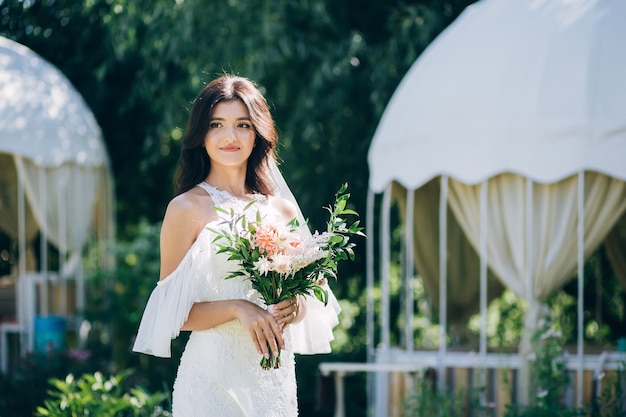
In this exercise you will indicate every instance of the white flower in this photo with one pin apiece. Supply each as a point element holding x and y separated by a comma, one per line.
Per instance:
<point>281,264</point>
<point>263,265</point>
<point>321,239</point>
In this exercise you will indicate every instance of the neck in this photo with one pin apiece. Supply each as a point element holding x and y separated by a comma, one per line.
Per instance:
<point>233,182</point>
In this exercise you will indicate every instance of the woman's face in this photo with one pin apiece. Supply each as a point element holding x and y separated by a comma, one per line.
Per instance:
<point>230,138</point>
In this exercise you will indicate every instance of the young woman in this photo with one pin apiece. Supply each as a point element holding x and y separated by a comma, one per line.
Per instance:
<point>227,161</point>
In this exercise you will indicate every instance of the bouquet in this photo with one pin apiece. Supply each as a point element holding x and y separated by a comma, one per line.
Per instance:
<point>281,262</point>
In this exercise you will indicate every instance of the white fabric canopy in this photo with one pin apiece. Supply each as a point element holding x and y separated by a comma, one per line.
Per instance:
<point>55,178</point>
<point>521,105</point>
<point>535,88</point>
<point>42,116</point>
<point>57,148</point>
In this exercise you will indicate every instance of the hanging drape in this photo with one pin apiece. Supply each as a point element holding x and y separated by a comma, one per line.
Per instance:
<point>615,245</point>
<point>463,269</point>
<point>554,217</point>
<point>61,199</point>
<point>9,211</point>
<point>553,233</point>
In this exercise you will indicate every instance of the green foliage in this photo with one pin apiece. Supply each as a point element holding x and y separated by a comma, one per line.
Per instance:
<point>612,401</point>
<point>95,395</point>
<point>604,299</point>
<point>429,401</point>
<point>548,373</point>
<point>24,387</point>
<point>549,378</point>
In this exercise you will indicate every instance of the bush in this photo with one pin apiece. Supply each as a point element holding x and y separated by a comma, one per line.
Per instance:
<point>428,400</point>
<point>24,387</point>
<point>95,395</point>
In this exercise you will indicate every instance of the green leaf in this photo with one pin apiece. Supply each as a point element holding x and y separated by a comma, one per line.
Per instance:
<point>321,294</point>
<point>336,239</point>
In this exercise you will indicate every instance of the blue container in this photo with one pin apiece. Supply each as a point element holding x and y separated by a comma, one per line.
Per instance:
<point>49,334</point>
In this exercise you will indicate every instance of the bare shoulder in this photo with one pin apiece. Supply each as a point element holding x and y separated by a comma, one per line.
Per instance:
<point>285,207</point>
<point>192,209</point>
<point>185,217</point>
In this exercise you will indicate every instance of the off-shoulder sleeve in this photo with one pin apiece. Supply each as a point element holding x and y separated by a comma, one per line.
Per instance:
<point>314,333</point>
<point>166,311</point>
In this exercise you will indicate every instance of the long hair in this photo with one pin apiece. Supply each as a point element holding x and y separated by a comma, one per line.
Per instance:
<point>194,163</point>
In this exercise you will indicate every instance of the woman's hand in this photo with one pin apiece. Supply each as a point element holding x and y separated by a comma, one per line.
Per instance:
<point>286,312</point>
<point>262,326</point>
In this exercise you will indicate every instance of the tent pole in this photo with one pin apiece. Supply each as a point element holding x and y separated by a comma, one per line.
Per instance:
<point>529,238</point>
<point>484,190</point>
<point>369,277</point>
<point>79,246</point>
<point>22,315</point>
<point>79,278</point>
<point>581,284</point>
<point>62,213</point>
<point>385,264</point>
<point>408,328</point>
<point>382,378</point>
<point>523,378</point>
<point>43,268</point>
<point>443,280</point>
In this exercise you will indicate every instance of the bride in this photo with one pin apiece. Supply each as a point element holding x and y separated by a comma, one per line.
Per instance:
<point>228,161</point>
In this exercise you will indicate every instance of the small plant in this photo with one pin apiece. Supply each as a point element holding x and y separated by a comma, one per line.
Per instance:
<point>612,401</point>
<point>95,395</point>
<point>548,376</point>
<point>24,387</point>
<point>429,401</point>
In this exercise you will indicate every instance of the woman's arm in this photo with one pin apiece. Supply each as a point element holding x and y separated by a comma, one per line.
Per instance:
<point>263,328</point>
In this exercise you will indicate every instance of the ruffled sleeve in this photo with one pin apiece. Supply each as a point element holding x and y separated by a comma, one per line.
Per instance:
<point>166,311</point>
<point>314,333</point>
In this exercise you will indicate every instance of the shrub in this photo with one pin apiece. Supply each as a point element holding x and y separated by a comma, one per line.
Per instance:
<point>95,395</point>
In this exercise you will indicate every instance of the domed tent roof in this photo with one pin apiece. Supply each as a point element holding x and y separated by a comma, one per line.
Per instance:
<point>54,182</point>
<point>42,116</point>
<point>530,87</point>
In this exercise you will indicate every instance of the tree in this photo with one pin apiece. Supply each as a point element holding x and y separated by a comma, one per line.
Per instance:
<point>327,67</point>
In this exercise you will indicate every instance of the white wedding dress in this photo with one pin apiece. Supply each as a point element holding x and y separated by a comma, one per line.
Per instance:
<point>219,372</point>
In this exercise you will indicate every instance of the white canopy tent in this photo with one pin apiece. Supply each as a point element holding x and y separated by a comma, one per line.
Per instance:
<point>515,118</point>
<point>55,182</point>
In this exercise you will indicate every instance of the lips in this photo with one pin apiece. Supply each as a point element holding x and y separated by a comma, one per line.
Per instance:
<point>230,149</point>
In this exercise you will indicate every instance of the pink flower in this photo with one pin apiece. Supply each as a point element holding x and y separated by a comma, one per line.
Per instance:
<point>267,239</point>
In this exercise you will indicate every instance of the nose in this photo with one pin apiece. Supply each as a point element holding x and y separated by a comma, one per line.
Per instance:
<point>230,132</point>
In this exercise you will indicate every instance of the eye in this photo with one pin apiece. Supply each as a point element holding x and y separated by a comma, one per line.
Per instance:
<point>244,125</point>
<point>214,125</point>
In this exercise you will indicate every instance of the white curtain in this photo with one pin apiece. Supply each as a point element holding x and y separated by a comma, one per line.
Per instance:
<point>463,268</point>
<point>62,200</point>
<point>553,227</point>
<point>615,244</point>
<point>9,209</point>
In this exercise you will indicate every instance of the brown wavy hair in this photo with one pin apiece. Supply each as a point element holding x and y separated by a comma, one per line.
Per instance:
<point>194,163</point>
